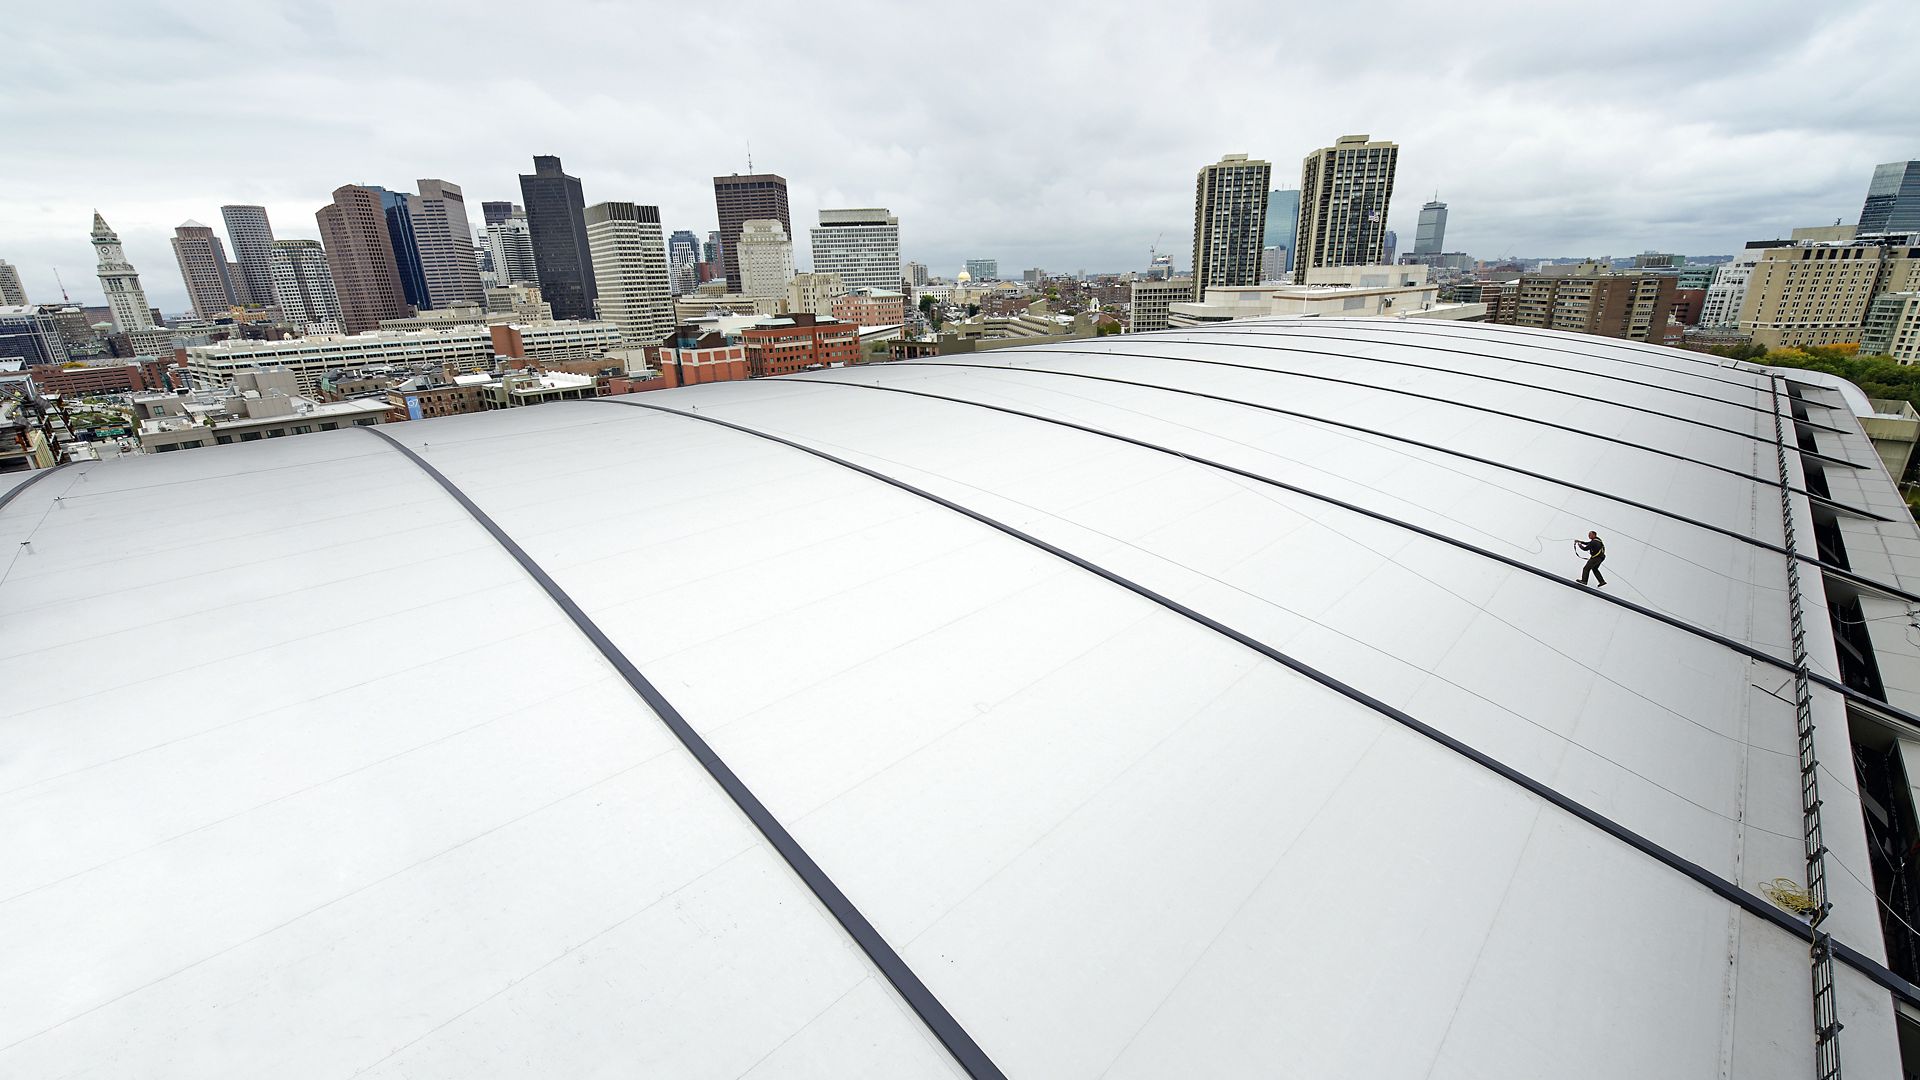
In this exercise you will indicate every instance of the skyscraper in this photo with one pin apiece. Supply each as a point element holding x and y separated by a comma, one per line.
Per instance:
<point>766,258</point>
<point>1283,219</point>
<point>862,246</point>
<point>354,228</point>
<point>203,266</point>
<point>983,269</point>
<point>511,245</point>
<point>446,244</point>
<point>738,198</point>
<point>303,287</point>
<point>683,260</point>
<point>12,293</point>
<point>1390,245</point>
<point>1431,239</point>
<point>1344,192</point>
<point>1893,199</point>
<point>493,212</point>
<point>399,211</point>
<point>555,206</point>
<point>630,268</point>
<point>251,237</point>
<point>1229,222</point>
<point>119,280</point>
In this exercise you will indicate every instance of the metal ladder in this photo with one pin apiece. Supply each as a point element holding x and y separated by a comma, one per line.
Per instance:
<point>1826,1022</point>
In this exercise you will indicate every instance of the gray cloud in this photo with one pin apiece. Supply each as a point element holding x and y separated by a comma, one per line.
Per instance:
<point>1064,136</point>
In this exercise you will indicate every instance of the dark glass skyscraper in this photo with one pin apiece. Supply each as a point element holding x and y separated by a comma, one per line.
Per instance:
<point>406,246</point>
<point>1893,199</point>
<point>556,219</point>
<point>495,212</point>
<point>741,198</point>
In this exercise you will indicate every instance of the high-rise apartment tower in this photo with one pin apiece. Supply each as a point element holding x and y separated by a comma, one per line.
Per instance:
<point>1229,222</point>
<point>1344,192</point>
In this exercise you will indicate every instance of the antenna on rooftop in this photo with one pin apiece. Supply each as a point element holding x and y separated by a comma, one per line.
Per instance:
<point>749,157</point>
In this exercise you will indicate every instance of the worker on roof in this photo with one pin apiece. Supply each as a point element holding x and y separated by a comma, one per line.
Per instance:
<point>1596,550</point>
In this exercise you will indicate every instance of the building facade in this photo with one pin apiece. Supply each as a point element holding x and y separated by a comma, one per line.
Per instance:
<point>30,336</point>
<point>354,229</point>
<point>983,269</point>
<point>766,258</point>
<point>872,307</point>
<point>815,293</point>
<point>126,300</point>
<point>861,245</point>
<point>797,342</point>
<point>738,199</point>
<point>1819,294</point>
<point>630,269</point>
<point>1430,238</point>
<point>1345,190</point>
<point>1587,300</point>
<point>1728,290</point>
<point>250,235</point>
<point>510,243</point>
<point>302,287</point>
<point>1892,327</point>
<point>1229,222</point>
<point>12,293</point>
<point>1893,199</point>
<point>445,241</point>
<point>203,267</point>
<point>1151,301</point>
<point>683,261</point>
<point>557,228</point>
<point>495,211</point>
<point>1283,223</point>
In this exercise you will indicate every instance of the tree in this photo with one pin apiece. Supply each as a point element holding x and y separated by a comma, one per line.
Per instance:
<point>972,310</point>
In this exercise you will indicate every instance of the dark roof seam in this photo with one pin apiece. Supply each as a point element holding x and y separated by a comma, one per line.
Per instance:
<point>1637,348</point>
<point>1314,418</point>
<point>1229,330</point>
<point>1678,419</point>
<point>1838,571</point>
<point>966,1052</point>
<point>1546,575</point>
<point>1720,886</point>
<point>1773,483</point>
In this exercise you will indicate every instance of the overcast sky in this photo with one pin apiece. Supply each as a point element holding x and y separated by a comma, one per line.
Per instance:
<point>1060,135</point>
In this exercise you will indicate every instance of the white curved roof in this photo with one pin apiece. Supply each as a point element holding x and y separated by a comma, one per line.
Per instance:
<point>303,774</point>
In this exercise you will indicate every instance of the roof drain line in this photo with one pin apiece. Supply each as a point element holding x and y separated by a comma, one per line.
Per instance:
<point>1826,1021</point>
<point>965,1051</point>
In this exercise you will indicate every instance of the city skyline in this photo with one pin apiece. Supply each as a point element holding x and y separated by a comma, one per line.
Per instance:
<point>1529,159</point>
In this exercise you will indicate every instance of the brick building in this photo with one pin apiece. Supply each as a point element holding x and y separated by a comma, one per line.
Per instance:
<point>693,356</point>
<point>125,377</point>
<point>797,342</point>
<point>871,307</point>
<point>1586,300</point>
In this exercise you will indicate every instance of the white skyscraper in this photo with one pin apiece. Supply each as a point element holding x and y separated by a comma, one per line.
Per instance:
<point>303,287</point>
<point>510,243</point>
<point>445,242</point>
<point>862,246</point>
<point>630,270</point>
<point>1728,290</point>
<point>119,280</point>
<point>12,293</point>
<point>766,258</point>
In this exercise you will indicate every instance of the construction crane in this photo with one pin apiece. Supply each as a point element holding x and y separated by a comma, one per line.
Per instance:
<point>1153,251</point>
